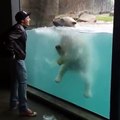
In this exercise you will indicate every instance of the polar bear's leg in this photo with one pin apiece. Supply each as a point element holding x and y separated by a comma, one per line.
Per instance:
<point>61,72</point>
<point>88,88</point>
<point>87,85</point>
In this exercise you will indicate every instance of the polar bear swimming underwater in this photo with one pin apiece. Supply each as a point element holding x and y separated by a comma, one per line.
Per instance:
<point>74,56</point>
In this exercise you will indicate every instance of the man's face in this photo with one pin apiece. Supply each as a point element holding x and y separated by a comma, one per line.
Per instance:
<point>26,21</point>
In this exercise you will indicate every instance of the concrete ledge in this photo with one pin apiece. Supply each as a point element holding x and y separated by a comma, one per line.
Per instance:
<point>69,108</point>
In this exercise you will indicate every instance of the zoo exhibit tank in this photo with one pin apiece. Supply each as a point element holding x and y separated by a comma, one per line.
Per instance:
<point>73,64</point>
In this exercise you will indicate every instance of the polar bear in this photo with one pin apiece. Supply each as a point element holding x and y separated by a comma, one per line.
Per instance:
<point>74,56</point>
<point>64,21</point>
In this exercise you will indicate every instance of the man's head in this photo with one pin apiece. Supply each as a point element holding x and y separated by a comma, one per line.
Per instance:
<point>22,17</point>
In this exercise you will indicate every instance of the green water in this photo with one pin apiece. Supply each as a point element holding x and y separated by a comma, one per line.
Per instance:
<point>42,67</point>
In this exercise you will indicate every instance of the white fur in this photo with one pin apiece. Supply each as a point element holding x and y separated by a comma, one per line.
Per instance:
<point>75,56</point>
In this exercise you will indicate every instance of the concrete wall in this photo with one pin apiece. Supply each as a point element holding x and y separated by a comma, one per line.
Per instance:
<point>9,8</point>
<point>43,11</point>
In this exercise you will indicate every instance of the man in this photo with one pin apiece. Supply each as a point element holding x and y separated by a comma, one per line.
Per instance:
<point>17,50</point>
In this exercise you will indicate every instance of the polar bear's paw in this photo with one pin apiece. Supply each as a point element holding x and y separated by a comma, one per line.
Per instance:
<point>58,79</point>
<point>88,94</point>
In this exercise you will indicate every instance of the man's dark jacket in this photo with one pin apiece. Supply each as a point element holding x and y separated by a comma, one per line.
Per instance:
<point>14,44</point>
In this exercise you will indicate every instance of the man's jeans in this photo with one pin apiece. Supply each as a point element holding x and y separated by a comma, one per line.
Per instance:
<point>19,86</point>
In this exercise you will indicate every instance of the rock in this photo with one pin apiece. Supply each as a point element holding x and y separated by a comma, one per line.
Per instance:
<point>64,21</point>
<point>86,17</point>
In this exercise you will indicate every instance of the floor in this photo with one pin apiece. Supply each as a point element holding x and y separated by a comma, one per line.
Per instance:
<point>40,107</point>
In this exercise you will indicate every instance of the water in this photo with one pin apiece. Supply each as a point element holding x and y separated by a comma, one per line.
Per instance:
<point>86,77</point>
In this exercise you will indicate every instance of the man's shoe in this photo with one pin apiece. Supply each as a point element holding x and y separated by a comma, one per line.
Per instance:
<point>28,113</point>
<point>15,106</point>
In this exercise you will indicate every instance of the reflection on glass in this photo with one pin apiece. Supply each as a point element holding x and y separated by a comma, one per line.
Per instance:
<point>70,50</point>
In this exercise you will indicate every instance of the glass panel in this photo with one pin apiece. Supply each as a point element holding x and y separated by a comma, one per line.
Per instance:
<point>69,50</point>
